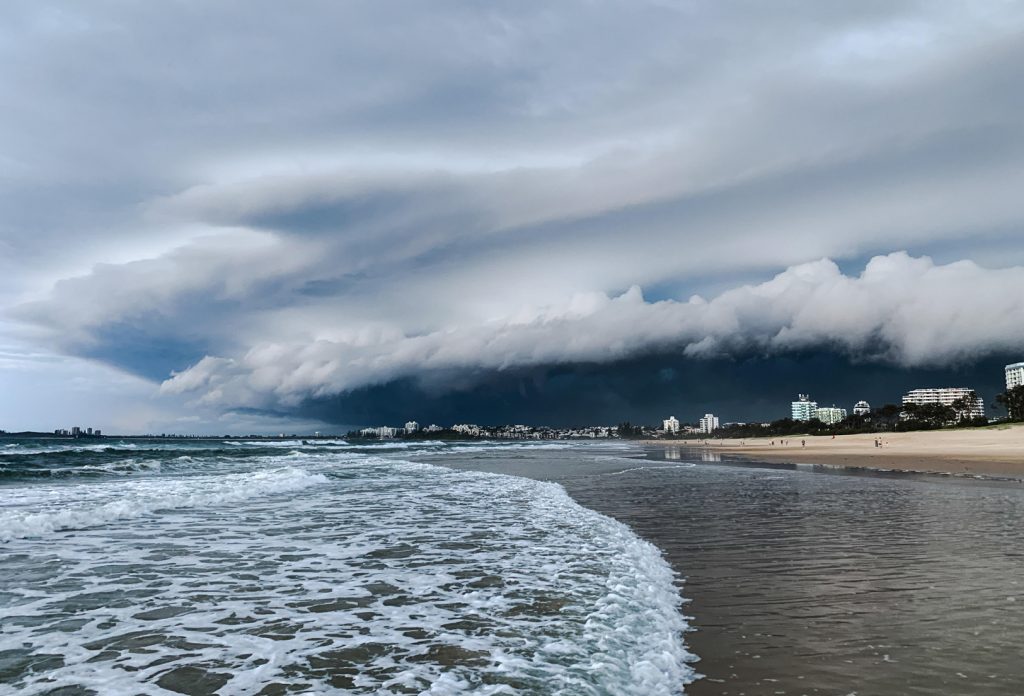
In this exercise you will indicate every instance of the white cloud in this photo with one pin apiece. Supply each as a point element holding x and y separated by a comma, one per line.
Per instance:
<point>320,206</point>
<point>902,309</point>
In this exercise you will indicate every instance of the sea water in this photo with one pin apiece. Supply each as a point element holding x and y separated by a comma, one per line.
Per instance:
<point>274,567</point>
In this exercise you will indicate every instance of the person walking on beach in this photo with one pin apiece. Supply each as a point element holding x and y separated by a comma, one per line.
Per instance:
<point>803,443</point>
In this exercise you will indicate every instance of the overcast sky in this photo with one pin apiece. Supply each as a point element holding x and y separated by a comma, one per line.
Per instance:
<point>260,216</point>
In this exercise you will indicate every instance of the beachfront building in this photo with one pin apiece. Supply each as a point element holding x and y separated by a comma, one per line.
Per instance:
<point>383,432</point>
<point>803,409</point>
<point>830,415</point>
<point>709,423</point>
<point>861,408</point>
<point>947,396</point>
<point>1014,375</point>
<point>670,425</point>
<point>411,427</point>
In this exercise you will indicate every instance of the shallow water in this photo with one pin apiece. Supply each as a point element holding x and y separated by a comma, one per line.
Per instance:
<point>271,568</point>
<point>803,582</point>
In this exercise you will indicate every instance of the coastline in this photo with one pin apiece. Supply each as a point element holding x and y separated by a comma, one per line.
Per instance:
<point>980,452</point>
<point>773,564</point>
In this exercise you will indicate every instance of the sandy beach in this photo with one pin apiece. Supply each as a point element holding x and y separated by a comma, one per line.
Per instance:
<point>997,451</point>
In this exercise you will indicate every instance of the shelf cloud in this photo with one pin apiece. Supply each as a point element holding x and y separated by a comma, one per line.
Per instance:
<point>900,309</point>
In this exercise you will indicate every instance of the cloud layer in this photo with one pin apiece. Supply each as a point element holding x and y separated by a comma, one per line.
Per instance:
<point>900,309</point>
<point>276,205</point>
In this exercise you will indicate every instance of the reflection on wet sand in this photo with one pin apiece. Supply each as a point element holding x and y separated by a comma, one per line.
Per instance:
<point>804,582</point>
<point>676,453</point>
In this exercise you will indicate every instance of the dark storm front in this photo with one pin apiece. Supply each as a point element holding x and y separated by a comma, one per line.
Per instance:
<point>265,568</point>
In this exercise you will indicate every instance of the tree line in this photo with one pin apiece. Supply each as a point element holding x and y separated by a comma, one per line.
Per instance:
<point>1013,401</point>
<point>891,417</point>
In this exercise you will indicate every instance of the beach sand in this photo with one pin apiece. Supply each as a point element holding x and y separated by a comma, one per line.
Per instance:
<point>997,451</point>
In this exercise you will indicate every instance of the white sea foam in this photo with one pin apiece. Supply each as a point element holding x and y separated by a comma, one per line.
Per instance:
<point>120,467</point>
<point>654,467</point>
<point>61,448</point>
<point>399,444</point>
<point>75,508</point>
<point>286,443</point>
<point>509,447</point>
<point>361,575</point>
<point>124,466</point>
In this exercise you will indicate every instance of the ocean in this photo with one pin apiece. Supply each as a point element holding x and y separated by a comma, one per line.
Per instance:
<point>278,567</point>
<point>604,568</point>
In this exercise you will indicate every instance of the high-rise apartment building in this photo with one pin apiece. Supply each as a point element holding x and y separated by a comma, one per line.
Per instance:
<point>1015,375</point>
<point>803,409</point>
<point>709,423</point>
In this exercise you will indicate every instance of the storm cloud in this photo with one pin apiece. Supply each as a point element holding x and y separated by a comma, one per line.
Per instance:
<point>900,309</point>
<point>251,206</point>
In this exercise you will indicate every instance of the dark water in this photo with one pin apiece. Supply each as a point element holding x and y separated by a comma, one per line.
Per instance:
<point>813,583</point>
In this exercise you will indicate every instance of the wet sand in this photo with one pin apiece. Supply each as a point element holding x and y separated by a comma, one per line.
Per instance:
<point>820,581</point>
<point>997,452</point>
<point>832,584</point>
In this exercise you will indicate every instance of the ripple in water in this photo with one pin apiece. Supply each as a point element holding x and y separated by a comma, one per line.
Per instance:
<point>335,572</point>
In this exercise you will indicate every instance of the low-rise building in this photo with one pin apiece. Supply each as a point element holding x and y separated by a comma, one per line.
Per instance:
<point>861,408</point>
<point>830,415</point>
<point>383,432</point>
<point>947,396</point>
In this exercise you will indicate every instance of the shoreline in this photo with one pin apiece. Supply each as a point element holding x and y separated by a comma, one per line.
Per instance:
<point>996,453</point>
<point>772,567</point>
<point>826,584</point>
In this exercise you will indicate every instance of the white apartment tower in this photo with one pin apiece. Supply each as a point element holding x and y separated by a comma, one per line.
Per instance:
<point>1014,375</point>
<point>803,409</point>
<point>411,427</point>
<point>670,425</point>
<point>709,423</point>
<point>947,396</point>
<point>830,416</point>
